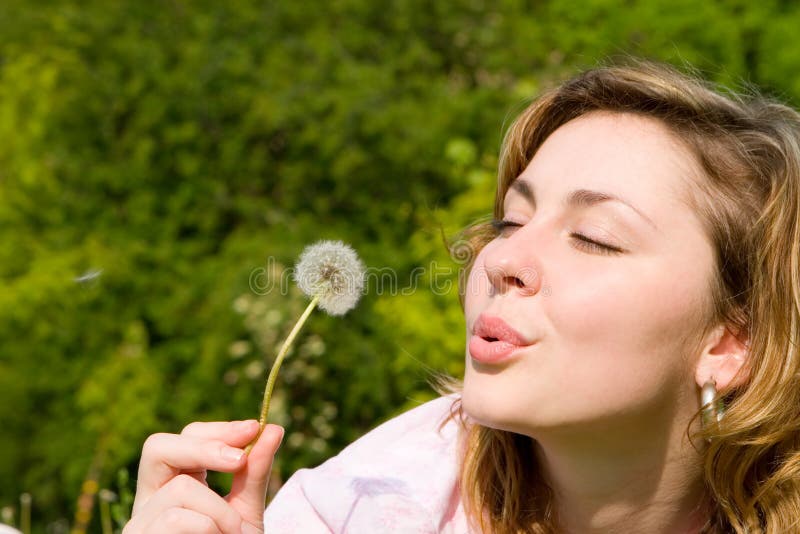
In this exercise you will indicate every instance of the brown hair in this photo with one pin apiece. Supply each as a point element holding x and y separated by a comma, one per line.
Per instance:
<point>748,147</point>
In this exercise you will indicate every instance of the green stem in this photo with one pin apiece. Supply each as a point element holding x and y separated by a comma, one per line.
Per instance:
<point>25,513</point>
<point>105,516</point>
<point>273,373</point>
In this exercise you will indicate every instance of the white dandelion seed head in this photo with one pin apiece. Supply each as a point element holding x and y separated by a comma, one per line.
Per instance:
<point>332,270</point>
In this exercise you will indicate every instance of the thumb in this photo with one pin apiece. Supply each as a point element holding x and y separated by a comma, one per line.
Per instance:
<point>249,488</point>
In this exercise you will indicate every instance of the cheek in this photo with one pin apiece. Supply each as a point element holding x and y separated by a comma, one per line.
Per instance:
<point>638,317</point>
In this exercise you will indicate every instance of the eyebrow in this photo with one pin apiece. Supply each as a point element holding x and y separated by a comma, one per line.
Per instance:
<point>583,198</point>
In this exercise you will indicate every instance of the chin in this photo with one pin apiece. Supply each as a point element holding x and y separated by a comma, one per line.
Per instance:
<point>491,409</point>
<point>511,406</point>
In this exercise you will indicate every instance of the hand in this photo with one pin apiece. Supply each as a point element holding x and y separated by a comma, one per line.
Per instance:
<point>172,494</point>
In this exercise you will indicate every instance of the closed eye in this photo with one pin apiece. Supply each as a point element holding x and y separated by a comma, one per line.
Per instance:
<point>580,240</point>
<point>499,225</point>
<point>584,242</point>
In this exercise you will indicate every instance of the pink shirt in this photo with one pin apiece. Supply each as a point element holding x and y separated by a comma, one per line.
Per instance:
<point>400,477</point>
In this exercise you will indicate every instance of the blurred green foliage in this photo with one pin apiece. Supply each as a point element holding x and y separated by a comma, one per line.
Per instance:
<point>155,155</point>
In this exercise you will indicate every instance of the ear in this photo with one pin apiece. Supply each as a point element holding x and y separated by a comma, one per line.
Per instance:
<point>722,359</point>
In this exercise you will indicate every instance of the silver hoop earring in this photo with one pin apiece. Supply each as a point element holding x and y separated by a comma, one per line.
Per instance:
<point>713,409</point>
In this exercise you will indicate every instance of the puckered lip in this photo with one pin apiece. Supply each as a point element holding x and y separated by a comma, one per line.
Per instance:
<point>493,328</point>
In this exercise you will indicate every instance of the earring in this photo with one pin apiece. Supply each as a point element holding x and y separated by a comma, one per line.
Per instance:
<point>713,409</point>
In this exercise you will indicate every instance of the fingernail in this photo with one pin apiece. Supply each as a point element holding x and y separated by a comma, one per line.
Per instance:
<point>232,454</point>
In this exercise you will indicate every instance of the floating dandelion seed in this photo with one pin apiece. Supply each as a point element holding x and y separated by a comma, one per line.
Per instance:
<point>331,273</point>
<point>88,276</point>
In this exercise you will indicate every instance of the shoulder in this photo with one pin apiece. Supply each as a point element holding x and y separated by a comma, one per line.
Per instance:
<point>399,435</point>
<point>400,476</point>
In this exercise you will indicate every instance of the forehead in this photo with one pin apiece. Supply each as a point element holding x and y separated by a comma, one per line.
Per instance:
<point>632,156</point>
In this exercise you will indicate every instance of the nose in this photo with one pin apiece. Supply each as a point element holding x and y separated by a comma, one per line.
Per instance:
<point>511,267</point>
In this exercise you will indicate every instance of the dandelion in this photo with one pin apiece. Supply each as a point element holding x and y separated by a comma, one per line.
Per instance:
<point>331,273</point>
<point>25,513</point>
<point>106,498</point>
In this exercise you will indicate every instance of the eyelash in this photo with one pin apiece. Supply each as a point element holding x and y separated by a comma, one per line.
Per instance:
<point>583,241</point>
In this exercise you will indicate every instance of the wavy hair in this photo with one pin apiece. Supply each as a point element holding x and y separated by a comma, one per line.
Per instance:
<point>748,199</point>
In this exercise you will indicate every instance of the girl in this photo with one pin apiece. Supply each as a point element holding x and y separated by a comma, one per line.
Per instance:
<point>631,330</point>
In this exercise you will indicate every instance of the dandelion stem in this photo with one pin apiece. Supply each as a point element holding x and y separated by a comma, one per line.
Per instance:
<point>273,373</point>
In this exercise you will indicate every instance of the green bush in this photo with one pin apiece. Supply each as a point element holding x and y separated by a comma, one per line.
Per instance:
<point>173,149</point>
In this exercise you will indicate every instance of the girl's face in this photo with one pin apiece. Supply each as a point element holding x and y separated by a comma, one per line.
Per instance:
<point>603,333</point>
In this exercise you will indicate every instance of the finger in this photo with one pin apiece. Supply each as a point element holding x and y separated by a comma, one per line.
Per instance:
<point>165,456</point>
<point>185,492</point>
<point>235,433</point>
<point>182,520</point>
<point>249,488</point>
<point>199,476</point>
